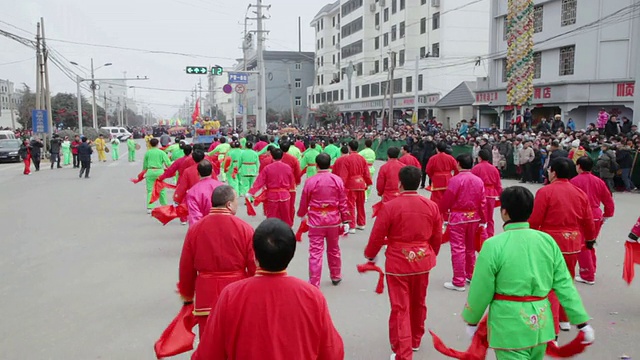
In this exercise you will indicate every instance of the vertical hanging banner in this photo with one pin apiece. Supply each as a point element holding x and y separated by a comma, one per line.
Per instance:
<point>520,52</point>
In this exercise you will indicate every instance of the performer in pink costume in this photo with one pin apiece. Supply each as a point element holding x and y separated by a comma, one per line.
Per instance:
<point>324,201</point>
<point>198,198</point>
<point>492,186</point>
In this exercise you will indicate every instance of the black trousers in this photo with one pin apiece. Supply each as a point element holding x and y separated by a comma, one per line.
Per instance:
<point>76,161</point>
<point>526,172</point>
<point>55,159</point>
<point>424,175</point>
<point>36,161</point>
<point>86,167</point>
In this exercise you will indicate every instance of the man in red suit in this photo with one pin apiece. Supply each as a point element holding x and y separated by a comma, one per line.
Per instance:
<point>441,168</point>
<point>409,159</point>
<point>266,159</point>
<point>293,162</point>
<point>179,165</point>
<point>388,180</point>
<point>284,307</point>
<point>190,177</point>
<point>212,259</point>
<point>278,180</point>
<point>564,212</point>
<point>464,199</point>
<point>598,193</point>
<point>411,254</point>
<point>354,171</point>
<point>492,187</point>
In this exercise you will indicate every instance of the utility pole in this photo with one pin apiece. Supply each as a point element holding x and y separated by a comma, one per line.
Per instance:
<point>119,118</point>
<point>106,113</point>
<point>415,93</point>
<point>261,120</point>
<point>79,95</point>
<point>392,67</point>
<point>124,112</point>
<point>47,94</point>
<point>245,46</point>
<point>38,71</point>
<point>293,119</point>
<point>12,109</point>
<point>93,94</point>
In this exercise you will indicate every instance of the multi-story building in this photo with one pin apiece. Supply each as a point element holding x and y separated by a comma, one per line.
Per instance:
<point>585,58</point>
<point>357,40</point>
<point>9,101</point>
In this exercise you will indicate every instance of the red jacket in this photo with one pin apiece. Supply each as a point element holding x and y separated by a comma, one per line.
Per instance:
<point>278,180</point>
<point>188,178</point>
<point>293,162</point>
<point>441,168</point>
<point>491,178</point>
<point>300,145</point>
<point>388,181</point>
<point>265,159</point>
<point>354,171</point>
<point>212,259</point>
<point>411,249</point>
<point>597,192</point>
<point>74,147</point>
<point>563,211</point>
<point>410,160</point>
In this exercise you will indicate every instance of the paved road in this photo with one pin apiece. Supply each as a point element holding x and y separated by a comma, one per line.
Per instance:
<point>86,274</point>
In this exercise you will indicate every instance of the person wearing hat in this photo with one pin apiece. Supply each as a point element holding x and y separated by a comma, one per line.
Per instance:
<point>54,149</point>
<point>557,124</point>
<point>606,166</point>
<point>577,151</point>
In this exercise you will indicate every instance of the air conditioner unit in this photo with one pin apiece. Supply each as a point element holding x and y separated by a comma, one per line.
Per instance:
<point>382,3</point>
<point>372,7</point>
<point>435,3</point>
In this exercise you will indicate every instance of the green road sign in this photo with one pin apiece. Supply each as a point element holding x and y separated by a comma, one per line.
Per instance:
<point>217,70</point>
<point>198,70</point>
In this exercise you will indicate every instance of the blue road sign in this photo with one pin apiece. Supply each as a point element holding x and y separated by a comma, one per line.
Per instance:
<point>240,109</point>
<point>39,121</point>
<point>238,78</point>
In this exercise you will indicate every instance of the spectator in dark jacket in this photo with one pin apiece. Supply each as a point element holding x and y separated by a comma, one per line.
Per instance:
<point>54,149</point>
<point>625,162</point>
<point>625,127</point>
<point>557,151</point>
<point>612,128</point>
<point>557,124</point>
<point>84,155</point>
<point>428,150</point>
<point>543,126</point>
<point>36,146</point>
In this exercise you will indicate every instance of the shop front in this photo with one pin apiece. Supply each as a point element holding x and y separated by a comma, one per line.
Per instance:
<point>372,112</point>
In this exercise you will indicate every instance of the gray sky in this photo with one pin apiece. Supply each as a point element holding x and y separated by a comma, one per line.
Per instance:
<point>211,28</point>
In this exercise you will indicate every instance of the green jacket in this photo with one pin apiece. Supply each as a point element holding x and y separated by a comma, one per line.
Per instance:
<point>155,158</point>
<point>249,163</point>
<point>264,150</point>
<point>521,262</point>
<point>131,144</point>
<point>333,151</point>
<point>294,151</point>
<point>175,151</point>
<point>309,161</point>
<point>369,155</point>
<point>221,149</point>
<point>235,155</point>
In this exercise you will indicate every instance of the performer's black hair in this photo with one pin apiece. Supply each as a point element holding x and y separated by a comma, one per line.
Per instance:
<point>441,146</point>
<point>368,143</point>
<point>517,201</point>
<point>563,167</point>
<point>323,160</point>
<point>353,145</point>
<point>585,163</point>
<point>205,168</point>
<point>406,148</point>
<point>223,139</point>
<point>197,155</point>
<point>274,245</point>
<point>484,154</point>
<point>410,177</point>
<point>186,148</point>
<point>285,146</point>
<point>276,153</point>
<point>465,160</point>
<point>249,145</point>
<point>154,142</point>
<point>393,152</point>
<point>344,149</point>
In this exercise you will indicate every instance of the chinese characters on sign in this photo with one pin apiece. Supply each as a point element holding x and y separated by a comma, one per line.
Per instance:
<point>542,93</point>
<point>238,78</point>
<point>40,121</point>
<point>487,97</point>
<point>625,90</point>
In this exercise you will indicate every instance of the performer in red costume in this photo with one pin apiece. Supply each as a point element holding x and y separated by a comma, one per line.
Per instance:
<point>388,180</point>
<point>189,177</point>
<point>465,200</point>
<point>598,193</point>
<point>278,180</point>
<point>212,259</point>
<point>492,187</point>
<point>198,199</point>
<point>324,201</point>
<point>411,254</point>
<point>284,307</point>
<point>409,159</point>
<point>180,165</point>
<point>354,171</point>
<point>440,169</point>
<point>266,159</point>
<point>563,211</point>
<point>293,162</point>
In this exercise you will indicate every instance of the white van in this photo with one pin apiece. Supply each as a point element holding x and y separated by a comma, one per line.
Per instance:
<point>119,132</point>
<point>7,134</point>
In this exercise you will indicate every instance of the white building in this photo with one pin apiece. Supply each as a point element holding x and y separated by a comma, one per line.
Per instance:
<point>9,101</point>
<point>585,55</point>
<point>448,37</point>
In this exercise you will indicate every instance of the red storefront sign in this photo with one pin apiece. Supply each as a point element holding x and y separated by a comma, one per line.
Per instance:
<point>487,97</point>
<point>625,90</point>
<point>542,93</point>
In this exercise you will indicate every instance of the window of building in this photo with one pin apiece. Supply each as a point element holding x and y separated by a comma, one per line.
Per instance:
<point>375,89</point>
<point>567,60</point>
<point>298,83</point>
<point>318,44</point>
<point>352,27</point>
<point>333,59</point>
<point>385,64</point>
<point>333,41</point>
<point>298,101</point>
<point>435,19</point>
<point>329,96</point>
<point>537,18</point>
<point>298,66</point>
<point>397,86</point>
<point>408,84</point>
<point>335,95</point>
<point>321,79</point>
<point>384,86</point>
<point>420,82</point>
<point>537,65</point>
<point>321,60</point>
<point>357,92</point>
<point>569,11</point>
<point>333,21</point>
<point>423,25</point>
<point>376,42</point>
<point>341,94</point>
<point>402,29</point>
<point>377,17</point>
<point>422,2</point>
<point>394,34</point>
<point>505,28</point>
<point>321,24</point>
<point>504,70</point>
<point>402,4</point>
<point>385,40</point>
<point>321,42</point>
<point>435,50</point>
<point>376,66</point>
<point>351,49</point>
<point>365,91</point>
<point>385,16</point>
<point>359,69</point>
<point>317,98</point>
<point>323,96</point>
<point>423,52</point>
<point>350,6</point>
<point>394,6</point>
<point>401,57</point>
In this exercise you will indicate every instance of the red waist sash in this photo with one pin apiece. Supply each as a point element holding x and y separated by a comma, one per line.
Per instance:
<point>323,208</point>
<point>518,298</point>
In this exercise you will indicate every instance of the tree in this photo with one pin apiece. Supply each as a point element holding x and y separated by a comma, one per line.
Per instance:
<point>328,113</point>
<point>272,115</point>
<point>27,104</point>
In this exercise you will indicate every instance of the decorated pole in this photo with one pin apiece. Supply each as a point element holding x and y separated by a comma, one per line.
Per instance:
<point>520,66</point>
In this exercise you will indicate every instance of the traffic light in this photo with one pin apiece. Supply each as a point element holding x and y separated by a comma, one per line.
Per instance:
<point>217,70</point>
<point>196,70</point>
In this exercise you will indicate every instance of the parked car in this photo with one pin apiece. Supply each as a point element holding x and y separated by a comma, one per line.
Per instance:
<point>119,132</point>
<point>7,134</point>
<point>9,150</point>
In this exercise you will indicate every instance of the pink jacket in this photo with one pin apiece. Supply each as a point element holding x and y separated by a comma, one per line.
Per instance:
<point>603,117</point>
<point>490,176</point>
<point>324,199</point>
<point>597,193</point>
<point>465,198</point>
<point>259,145</point>
<point>198,199</point>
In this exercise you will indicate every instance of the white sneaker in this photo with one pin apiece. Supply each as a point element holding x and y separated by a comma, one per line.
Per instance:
<point>416,349</point>
<point>392,357</point>
<point>565,326</point>
<point>579,279</point>
<point>468,281</point>
<point>360,227</point>
<point>149,211</point>
<point>183,223</point>
<point>352,231</point>
<point>450,286</point>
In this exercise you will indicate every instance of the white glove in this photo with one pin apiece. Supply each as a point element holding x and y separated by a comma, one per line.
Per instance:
<point>589,334</point>
<point>471,330</point>
<point>484,226</point>
<point>345,229</point>
<point>604,220</point>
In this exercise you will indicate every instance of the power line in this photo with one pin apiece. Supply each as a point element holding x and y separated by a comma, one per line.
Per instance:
<point>17,61</point>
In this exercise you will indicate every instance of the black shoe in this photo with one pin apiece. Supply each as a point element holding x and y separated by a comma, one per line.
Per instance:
<point>86,177</point>
<point>336,282</point>
<point>59,167</point>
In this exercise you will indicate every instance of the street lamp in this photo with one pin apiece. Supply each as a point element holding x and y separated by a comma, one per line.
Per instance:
<point>93,93</point>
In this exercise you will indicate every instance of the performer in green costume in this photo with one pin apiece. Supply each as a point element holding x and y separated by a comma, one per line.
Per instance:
<point>66,151</point>
<point>309,159</point>
<point>368,154</point>
<point>294,151</point>
<point>221,150</point>
<point>514,274</point>
<point>248,168</point>
<point>131,147</point>
<point>332,150</point>
<point>234,153</point>
<point>155,160</point>
<point>175,150</point>
<point>115,148</point>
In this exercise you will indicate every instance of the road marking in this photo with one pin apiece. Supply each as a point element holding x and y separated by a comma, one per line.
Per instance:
<point>114,163</point>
